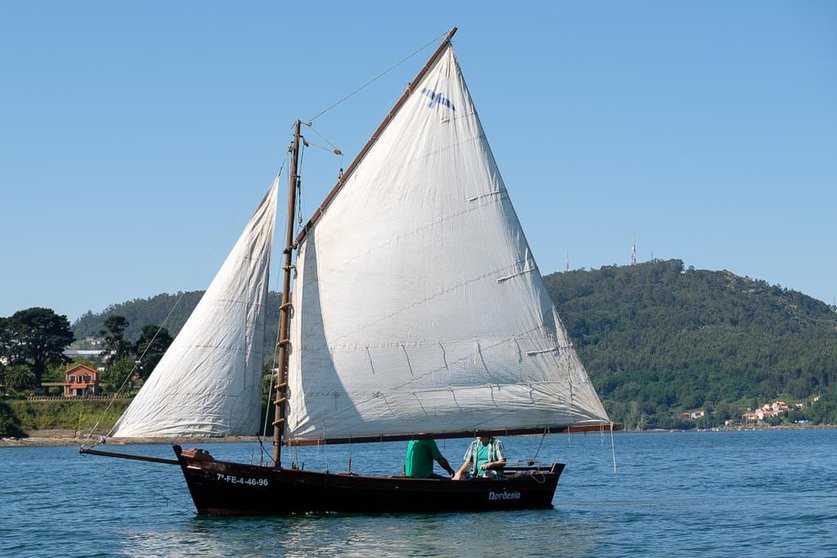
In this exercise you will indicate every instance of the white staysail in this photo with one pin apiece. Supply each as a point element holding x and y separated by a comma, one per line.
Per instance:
<point>209,382</point>
<point>418,307</point>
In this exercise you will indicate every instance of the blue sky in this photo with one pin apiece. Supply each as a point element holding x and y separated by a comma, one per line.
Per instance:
<point>137,137</point>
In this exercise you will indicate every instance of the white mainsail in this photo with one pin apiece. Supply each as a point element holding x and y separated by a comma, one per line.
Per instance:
<point>418,307</point>
<point>209,382</point>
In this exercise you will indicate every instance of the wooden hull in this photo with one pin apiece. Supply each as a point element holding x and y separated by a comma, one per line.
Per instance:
<point>224,488</point>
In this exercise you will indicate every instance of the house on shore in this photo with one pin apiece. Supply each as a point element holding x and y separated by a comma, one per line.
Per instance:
<point>80,379</point>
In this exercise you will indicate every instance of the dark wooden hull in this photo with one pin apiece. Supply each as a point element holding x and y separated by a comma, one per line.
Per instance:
<point>224,488</point>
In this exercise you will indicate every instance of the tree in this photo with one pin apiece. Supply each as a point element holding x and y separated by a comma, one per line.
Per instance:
<point>19,377</point>
<point>37,337</point>
<point>116,346</point>
<point>150,348</point>
<point>118,374</point>
<point>8,342</point>
<point>9,423</point>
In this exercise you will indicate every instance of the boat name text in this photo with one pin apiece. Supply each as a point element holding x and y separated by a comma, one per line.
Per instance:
<point>503,495</point>
<point>232,479</point>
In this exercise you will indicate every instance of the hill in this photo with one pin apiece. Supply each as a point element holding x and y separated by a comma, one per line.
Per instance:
<point>656,338</point>
<point>169,310</point>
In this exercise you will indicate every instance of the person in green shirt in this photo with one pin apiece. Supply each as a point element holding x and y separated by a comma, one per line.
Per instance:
<point>485,457</point>
<point>420,457</point>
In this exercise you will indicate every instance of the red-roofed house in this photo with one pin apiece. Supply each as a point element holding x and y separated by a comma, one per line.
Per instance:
<point>80,379</point>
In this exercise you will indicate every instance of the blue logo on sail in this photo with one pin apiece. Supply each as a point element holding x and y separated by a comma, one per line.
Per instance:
<point>437,99</point>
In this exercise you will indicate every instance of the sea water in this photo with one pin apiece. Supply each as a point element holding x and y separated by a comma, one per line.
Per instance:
<point>761,493</point>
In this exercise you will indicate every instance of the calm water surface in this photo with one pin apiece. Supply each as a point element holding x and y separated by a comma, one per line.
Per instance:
<point>676,494</point>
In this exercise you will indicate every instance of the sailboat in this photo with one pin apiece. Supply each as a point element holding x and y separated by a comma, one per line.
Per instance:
<point>411,308</point>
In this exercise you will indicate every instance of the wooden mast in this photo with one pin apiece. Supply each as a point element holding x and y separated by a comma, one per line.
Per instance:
<point>285,308</point>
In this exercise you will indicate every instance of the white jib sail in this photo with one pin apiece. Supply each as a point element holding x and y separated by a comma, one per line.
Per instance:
<point>418,307</point>
<point>209,382</point>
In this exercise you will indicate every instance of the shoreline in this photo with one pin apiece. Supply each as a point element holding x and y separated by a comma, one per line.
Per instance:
<point>70,438</point>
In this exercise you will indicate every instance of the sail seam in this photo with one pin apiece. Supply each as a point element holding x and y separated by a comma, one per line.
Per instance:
<point>399,344</point>
<point>513,275</point>
<point>486,195</point>
<point>377,394</point>
<point>550,350</point>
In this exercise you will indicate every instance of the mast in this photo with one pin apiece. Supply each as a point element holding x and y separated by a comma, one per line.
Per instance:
<point>285,308</point>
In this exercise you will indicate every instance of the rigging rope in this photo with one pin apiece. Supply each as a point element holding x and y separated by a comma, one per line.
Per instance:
<point>538,451</point>
<point>298,187</point>
<point>334,148</point>
<point>273,366</point>
<point>376,78</point>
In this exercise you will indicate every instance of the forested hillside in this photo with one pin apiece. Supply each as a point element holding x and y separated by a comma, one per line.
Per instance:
<point>658,338</point>
<point>168,310</point>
